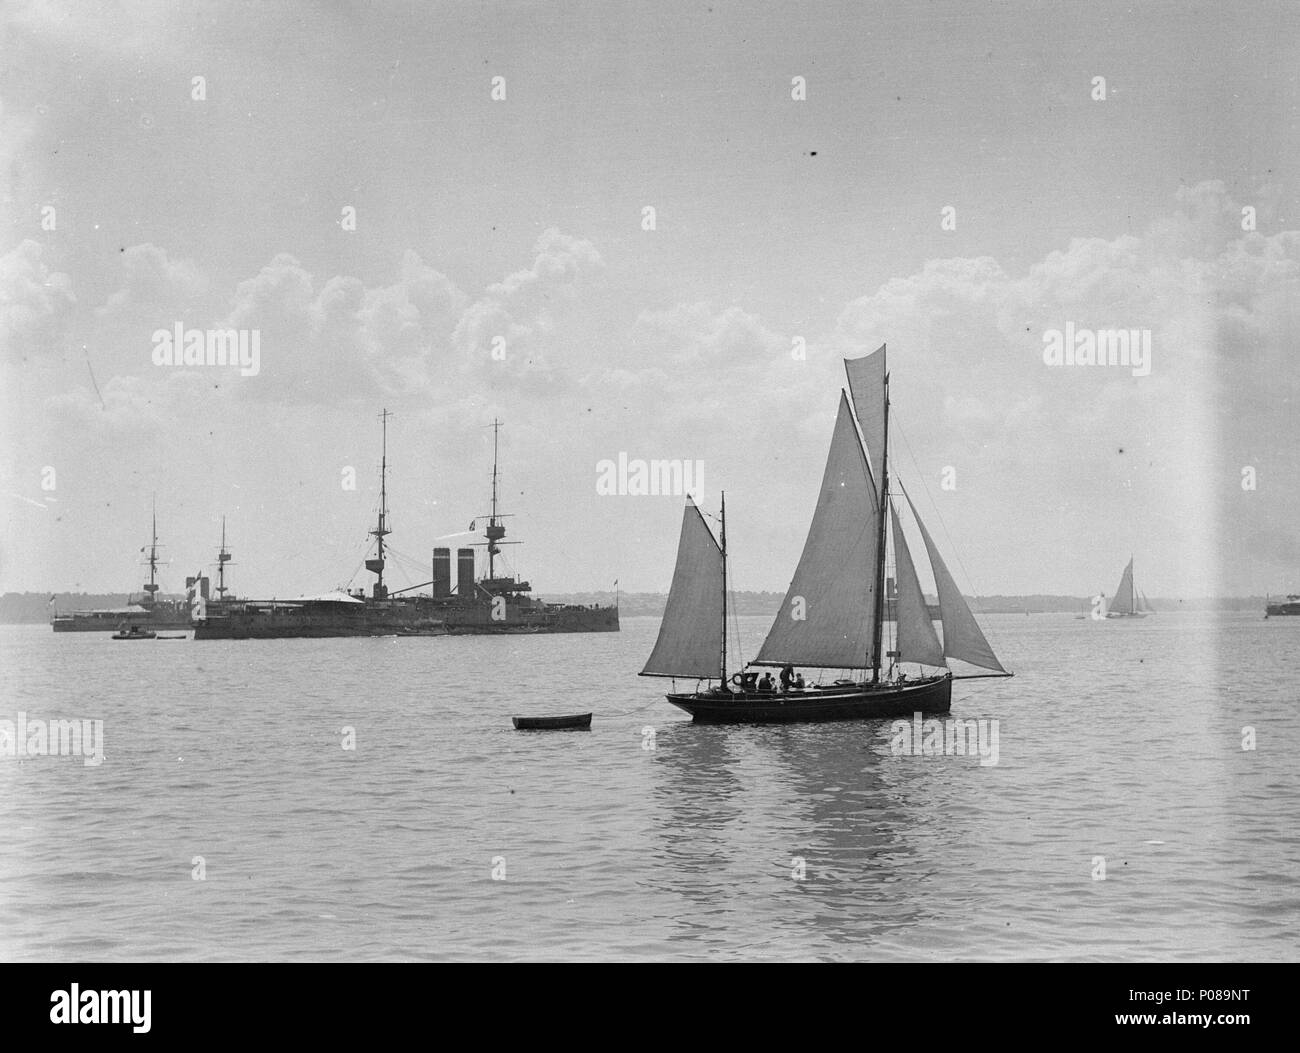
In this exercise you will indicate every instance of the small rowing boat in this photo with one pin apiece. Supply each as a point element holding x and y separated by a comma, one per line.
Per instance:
<point>573,720</point>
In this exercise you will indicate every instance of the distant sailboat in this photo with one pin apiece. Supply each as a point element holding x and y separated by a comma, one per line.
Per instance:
<point>834,610</point>
<point>1128,602</point>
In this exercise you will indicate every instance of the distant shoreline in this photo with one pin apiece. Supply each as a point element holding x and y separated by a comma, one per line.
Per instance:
<point>25,608</point>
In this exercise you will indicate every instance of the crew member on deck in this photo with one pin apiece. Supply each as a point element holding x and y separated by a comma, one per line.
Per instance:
<point>787,676</point>
<point>766,684</point>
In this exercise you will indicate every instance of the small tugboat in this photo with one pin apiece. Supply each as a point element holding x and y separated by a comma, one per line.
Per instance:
<point>135,632</point>
<point>834,612</point>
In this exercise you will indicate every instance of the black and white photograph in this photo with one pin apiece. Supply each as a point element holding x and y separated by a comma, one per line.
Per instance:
<point>697,481</point>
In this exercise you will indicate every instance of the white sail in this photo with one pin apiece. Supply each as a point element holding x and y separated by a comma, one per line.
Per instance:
<point>962,636</point>
<point>829,610</point>
<point>867,384</point>
<point>690,635</point>
<point>1143,605</point>
<point>1123,601</point>
<point>917,641</point>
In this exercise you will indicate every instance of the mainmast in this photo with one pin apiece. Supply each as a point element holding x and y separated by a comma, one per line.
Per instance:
<point>495,531</point>
<point>880,556</point>
<point>152,587</point>
<point>223,557</point>
<point>723,682</point>
<point>376,565</point>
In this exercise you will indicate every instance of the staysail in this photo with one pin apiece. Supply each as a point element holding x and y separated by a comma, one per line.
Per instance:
<point>1123,601</point>
<point>962,636</point>
<point>867,384</point>
<point>1143,605</point>
<point>829,610</point>
<point>690,635</point>
<point>916,640</point>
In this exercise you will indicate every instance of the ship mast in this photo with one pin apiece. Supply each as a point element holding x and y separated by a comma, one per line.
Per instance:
<point>223,557</point>
<point>152,587</point>
<point>376,565</point>
<point>880,556</point>
<point>495,531</point>
<point>723,682</point>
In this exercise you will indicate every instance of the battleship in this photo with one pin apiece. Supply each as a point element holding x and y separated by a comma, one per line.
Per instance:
<point>147,610</point>
<point>495,604</point>
<point>1281,609</point>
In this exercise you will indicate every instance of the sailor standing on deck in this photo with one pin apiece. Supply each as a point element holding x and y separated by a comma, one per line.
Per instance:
<point>787,677</point>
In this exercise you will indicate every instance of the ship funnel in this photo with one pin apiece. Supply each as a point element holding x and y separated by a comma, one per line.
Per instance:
<point>441,572</point>
<point>464,572</point>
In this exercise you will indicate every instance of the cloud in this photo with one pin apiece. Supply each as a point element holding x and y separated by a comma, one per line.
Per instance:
<point>345,340</point>
<point>518,316</point>
<point>36,304</point>
<point>152,282</point>
<point>698,334</point>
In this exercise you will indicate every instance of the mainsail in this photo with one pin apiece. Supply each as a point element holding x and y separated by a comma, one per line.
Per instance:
<point>867,384</point>
<point>690,635</point>
<point>828,615</point>
<point>916,638</point>
<point>962,636</point>
<point>1123,601</point>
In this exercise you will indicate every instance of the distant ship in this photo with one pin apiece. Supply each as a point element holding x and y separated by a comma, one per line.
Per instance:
<point>834,612</point>
<point>1128,602</point>
<point>1282,609</point>
<point>147,611</point>
<point>493,605</point>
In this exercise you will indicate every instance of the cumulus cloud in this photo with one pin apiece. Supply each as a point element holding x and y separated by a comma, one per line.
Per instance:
<point>152,282</point>
<point>522,311</point>
<point>36,304</point>
<point>344,340</point>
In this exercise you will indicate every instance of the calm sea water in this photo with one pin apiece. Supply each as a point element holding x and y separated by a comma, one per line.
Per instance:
<point>1116,740</point>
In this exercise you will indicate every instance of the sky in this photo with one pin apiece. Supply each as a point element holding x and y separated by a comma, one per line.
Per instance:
<point>440,209</point>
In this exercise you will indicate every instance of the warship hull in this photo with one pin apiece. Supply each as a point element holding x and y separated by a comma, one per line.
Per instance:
<point>416,617</point>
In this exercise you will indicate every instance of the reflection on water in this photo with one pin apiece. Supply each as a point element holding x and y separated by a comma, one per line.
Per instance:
<point>1122,742</point>
<point>818,809</point>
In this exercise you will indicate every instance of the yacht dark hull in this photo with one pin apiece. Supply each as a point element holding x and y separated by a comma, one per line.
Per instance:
<point>858,702</point>
<point>1282,610</point>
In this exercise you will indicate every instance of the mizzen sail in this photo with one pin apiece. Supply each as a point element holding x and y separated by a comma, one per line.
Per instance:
<point>690,635</point>
<point>916,641</point>
<point>867,384</point>
<point>829,610</point>
<point>962,637</point>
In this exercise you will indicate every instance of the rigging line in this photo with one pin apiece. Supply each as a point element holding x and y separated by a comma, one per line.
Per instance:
<point>952,547</point>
